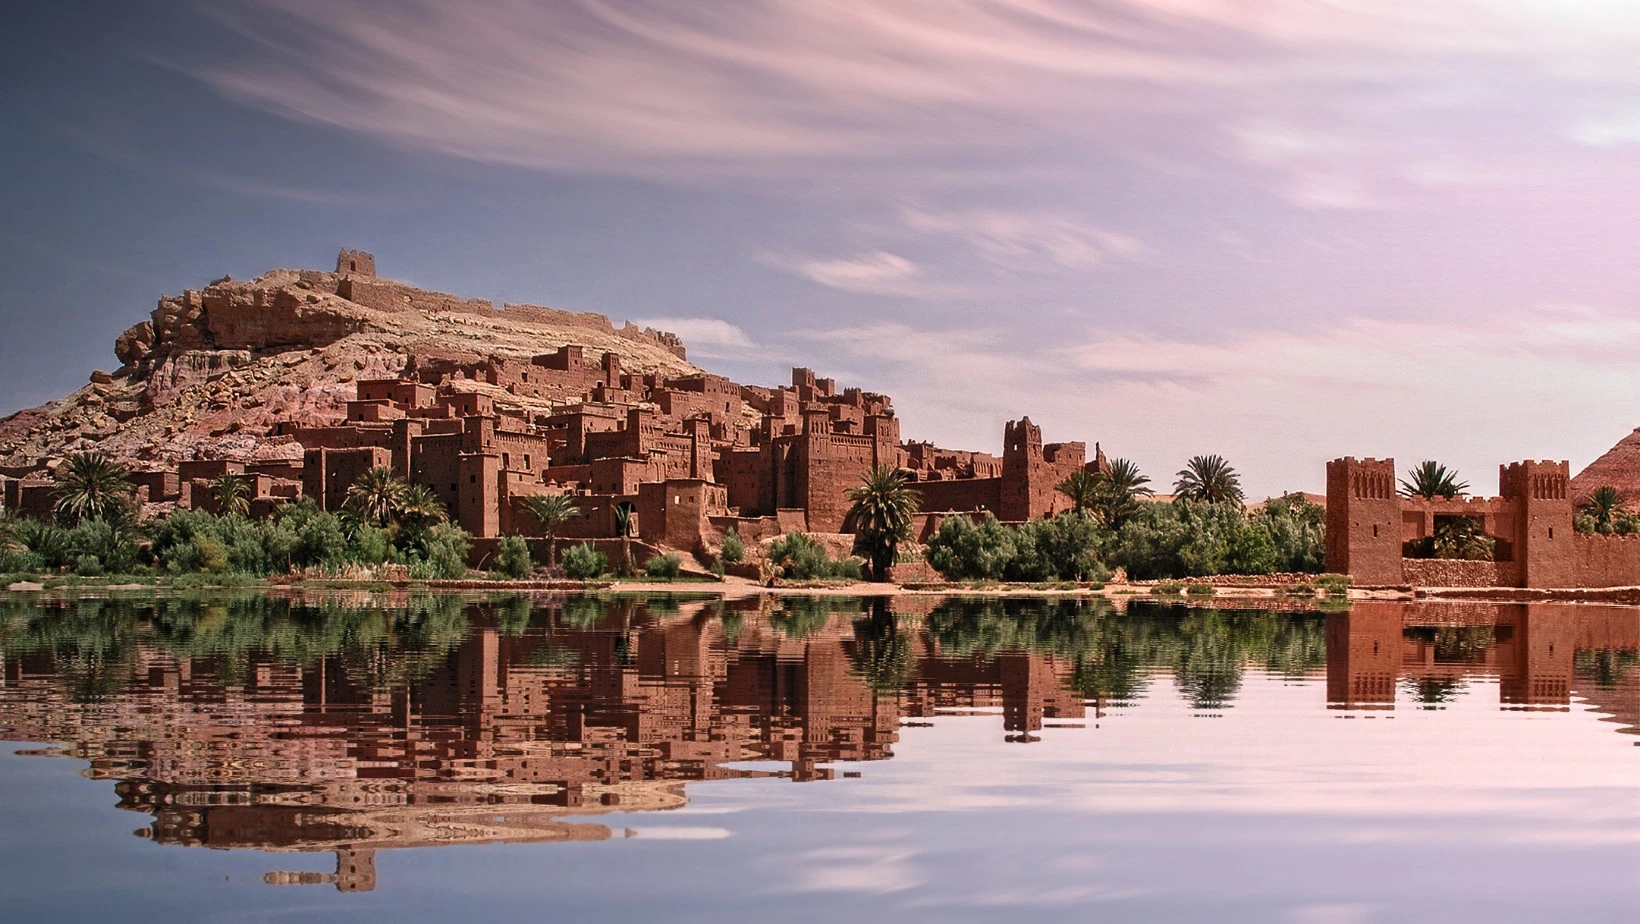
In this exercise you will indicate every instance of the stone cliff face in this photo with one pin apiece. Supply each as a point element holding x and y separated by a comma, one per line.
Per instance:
<point>213,370</point>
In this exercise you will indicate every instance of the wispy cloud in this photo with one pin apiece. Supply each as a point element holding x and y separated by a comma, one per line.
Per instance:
<point>291,193</point>
<point>1028,239</point>
<point>633,86</point>
<point>878,272</point>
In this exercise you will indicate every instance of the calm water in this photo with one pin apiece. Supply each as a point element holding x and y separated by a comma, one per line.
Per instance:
<point>435,758</point>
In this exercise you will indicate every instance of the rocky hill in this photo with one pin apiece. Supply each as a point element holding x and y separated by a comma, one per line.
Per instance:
<point>1619,468</point>
<point>213,370</point>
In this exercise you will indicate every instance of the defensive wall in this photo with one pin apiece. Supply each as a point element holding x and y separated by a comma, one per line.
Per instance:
<point>1370,525</point>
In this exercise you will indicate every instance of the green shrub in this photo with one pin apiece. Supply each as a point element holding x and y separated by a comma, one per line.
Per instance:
<point>663,566</point>
<point>512,558</point>
<point>1192,539</point>
<point>1201,590</point>
<point>1167,589</point>
<point>442,553</point>
<point>113,544</point>
<point>734,549</point>
<point>966,549</point>
<point>1060,548</point>
<point>88,566</point>
<point>209,554</point>
<point>320,540</point>
<point>1335,585</point>
<point>583,562</point>
<point>1299,590</point>
<point>797,557</point>
<point>372,546</point>
<point>47,543</point>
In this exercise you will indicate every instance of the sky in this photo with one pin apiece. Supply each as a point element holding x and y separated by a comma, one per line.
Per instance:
<point>1278,230</point>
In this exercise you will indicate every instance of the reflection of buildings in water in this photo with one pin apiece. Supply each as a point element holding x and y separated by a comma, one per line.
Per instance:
<point>526,737</point>
<point>511,738</point>
<point>1530,648</point>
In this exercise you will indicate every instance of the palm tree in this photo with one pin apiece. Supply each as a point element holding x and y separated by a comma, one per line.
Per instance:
<point>1082,487</point>
<point>1604,505</point>
<point>1463,537</point>
<point>1430,479</point>
<point>376,497</point>
<point>1209,479</point>
<point>551,512</point>
<point>881,516</point>
<point>91,486</point>
<point>233,495</point>
<point>1119,491</point>
<point>623,529</point>
<point>420,508</point>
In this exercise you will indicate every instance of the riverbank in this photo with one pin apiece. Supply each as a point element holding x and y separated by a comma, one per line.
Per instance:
<point>731,587</point>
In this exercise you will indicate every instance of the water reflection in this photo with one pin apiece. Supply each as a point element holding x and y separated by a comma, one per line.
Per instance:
<point>385,722</point>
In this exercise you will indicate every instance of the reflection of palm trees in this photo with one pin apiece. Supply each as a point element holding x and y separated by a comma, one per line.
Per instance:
<point>1604,667</point>
<point>800,617</point>
<point>1113,656</point>
<point>1436,692</point>
<point>884,654</point>
<point>1208,670</point>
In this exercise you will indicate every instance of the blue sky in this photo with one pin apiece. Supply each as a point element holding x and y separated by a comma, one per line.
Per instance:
<point>1283,231</point>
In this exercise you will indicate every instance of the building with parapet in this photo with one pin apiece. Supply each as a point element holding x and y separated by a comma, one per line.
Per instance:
<point>685,456</point>
<point>1372,527</point>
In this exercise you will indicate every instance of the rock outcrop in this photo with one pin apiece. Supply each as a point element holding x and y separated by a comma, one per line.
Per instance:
<point>1619,467</point>
<point>212,371</point>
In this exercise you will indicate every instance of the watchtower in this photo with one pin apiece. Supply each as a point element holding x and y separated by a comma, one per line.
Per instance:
<point>1021,469</point>
<point>1543,529</point>
<point>1364,520</point>
<point>355,263</point>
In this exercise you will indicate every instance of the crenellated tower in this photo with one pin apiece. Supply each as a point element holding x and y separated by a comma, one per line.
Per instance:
<point>1364,520</point>
<point>1543,526</point>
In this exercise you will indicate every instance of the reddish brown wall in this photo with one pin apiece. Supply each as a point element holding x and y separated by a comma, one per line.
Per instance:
<point>1448,572</point>
<point>1364,522</point>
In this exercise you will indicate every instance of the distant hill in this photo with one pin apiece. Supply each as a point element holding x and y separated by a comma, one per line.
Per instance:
<point>1619,467</point>
<point>213,370</point>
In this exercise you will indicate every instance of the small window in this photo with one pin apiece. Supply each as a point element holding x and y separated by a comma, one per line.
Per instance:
<point>1551,532</point>
<point>472,479</point>
<point>1375,530</point>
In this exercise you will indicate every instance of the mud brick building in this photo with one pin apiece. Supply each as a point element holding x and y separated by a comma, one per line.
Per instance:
<point>1370,526</point>
<point>687,455</point>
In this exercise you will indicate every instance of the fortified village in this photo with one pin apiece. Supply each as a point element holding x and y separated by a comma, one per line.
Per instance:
<point>685,454</point>
<point>301,381</point>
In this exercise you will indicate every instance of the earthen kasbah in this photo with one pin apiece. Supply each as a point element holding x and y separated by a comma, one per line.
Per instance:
<point>303,380</point>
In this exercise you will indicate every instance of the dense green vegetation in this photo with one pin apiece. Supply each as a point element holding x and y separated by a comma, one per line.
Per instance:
<point>1181,539</point>
<point>1061,548</point>
<point>386,522</point>
<point>1606,512</point>
<point>798,557</point>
